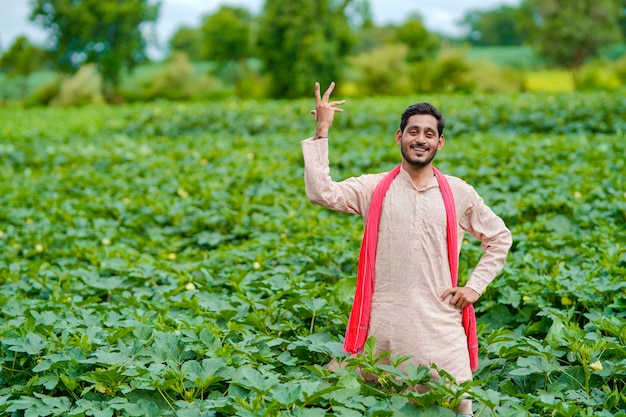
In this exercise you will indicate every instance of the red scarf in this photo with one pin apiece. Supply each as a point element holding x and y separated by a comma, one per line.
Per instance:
<point>358,324</point>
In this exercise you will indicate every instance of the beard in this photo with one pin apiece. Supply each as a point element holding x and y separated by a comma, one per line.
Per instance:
<point>418,162</point>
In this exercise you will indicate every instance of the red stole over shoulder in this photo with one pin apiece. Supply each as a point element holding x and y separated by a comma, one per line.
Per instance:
<point>358,324</point>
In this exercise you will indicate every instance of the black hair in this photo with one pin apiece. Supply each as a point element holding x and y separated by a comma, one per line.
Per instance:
<point>423,108</point>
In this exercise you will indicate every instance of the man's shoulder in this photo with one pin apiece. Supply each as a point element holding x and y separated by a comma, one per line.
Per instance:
<point>375,177</point>
<point>370,180</point>
<point>460,187</point>
<point>457,181</point>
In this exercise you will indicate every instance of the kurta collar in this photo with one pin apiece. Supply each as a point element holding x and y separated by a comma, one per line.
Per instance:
<point>403,175</point>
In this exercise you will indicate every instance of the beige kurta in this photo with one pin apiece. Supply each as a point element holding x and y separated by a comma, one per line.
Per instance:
<point>412,271</point>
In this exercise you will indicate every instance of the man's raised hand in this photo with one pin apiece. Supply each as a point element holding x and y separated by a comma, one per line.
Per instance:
<point>325,110</point>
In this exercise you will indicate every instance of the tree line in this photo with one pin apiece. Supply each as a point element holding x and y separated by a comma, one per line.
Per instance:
<point>278,52</point>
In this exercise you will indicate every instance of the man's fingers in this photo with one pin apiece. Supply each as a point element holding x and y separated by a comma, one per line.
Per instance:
<point>456,299</point>
<point>461,296</point>
<point>328,91</point>
<point>323,99</point>
<point>447,293</point>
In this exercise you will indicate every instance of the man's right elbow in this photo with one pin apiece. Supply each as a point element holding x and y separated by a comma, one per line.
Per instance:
<point>318,199</point>
<point>315,200</point>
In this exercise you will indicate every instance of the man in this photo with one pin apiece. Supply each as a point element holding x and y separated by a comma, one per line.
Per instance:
<point>411,303</point>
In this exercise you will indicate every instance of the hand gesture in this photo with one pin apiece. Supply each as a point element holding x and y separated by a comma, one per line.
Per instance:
<point>325,110</point>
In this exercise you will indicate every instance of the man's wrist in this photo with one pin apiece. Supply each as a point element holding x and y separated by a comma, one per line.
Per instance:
<point>322,131</point>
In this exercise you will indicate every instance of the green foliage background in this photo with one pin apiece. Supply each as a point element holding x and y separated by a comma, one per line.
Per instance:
<point>276,53</point>
<point>162,259</point>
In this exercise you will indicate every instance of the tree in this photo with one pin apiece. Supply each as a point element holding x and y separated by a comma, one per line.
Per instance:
<point>566,33</point>
<point>421,43</point>
<point>227,34</point>
<point>21,60</point>
<point>189,41</point>
<point>227,37</point>
<point>105,32</point>
<point>497,27</point>
<point>303,41</point>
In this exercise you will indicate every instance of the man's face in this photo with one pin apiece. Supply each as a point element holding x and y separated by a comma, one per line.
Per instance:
<point>420,140</point>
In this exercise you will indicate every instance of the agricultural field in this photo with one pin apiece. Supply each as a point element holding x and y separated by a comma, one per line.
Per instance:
<point>163,260</point>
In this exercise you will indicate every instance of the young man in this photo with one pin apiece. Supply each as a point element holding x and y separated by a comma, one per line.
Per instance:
<point>415,219</point>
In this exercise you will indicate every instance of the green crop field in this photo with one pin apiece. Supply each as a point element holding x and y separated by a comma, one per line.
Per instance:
<point>163,260</point>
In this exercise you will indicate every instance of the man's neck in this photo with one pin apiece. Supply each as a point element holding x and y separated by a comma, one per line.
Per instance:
<point>421,176</point>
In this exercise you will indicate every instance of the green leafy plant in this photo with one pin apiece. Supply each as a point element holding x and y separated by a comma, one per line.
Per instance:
<point>162,259</point>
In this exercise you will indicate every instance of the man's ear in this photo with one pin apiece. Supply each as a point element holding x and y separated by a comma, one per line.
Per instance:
<point>398,136</point>
<point>441,142</point>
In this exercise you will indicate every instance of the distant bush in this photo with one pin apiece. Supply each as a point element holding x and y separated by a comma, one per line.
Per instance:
<point>490,78</point>
<point>599,76</point>
<point>448,72</point>
<point>386,71</point>
<point>44,93</point>
<point>381,71</point>
<point>175,79</point>
<point>80,89</point>
<point>253,86</point>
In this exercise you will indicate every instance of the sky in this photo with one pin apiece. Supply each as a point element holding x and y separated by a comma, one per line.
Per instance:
<point>440,16</point>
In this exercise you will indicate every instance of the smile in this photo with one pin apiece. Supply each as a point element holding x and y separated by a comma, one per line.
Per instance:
<point>419,148</point>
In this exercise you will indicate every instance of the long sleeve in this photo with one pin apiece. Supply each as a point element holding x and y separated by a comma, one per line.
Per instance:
<point>352,195</point>
<point>496,240</point>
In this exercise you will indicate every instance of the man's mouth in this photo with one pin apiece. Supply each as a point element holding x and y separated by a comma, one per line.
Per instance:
<point>419,148</point>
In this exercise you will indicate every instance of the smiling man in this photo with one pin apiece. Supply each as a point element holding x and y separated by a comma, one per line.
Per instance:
<point>415,218</point>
